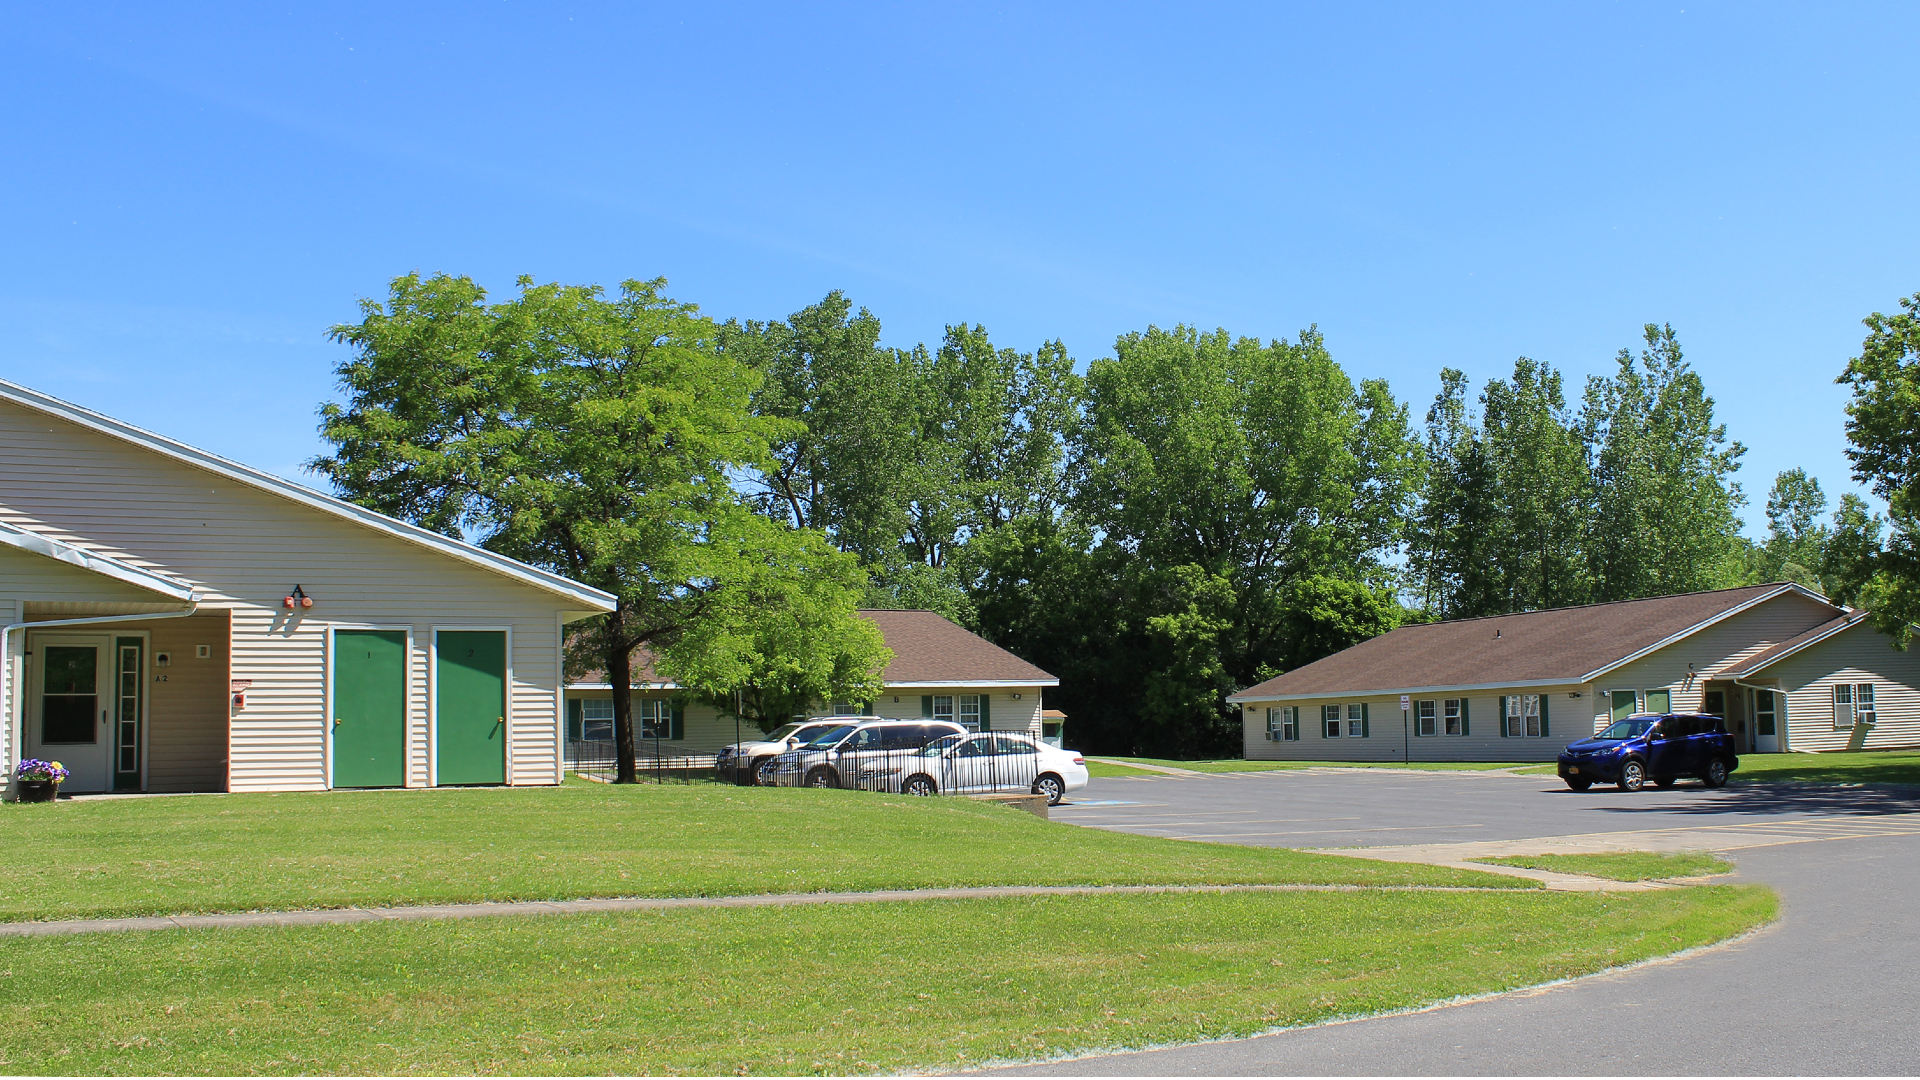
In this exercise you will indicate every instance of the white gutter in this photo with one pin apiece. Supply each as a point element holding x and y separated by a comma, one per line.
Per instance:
<point>6,670</point>
<point>59,551</point>
<point>1242,697</point>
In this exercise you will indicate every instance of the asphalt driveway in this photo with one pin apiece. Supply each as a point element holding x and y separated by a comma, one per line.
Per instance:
<point>1832,988</point>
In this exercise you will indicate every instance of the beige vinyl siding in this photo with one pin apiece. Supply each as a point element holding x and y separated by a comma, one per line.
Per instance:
<point>186,715</point>
<point>1859,654</point>
<point>1716,648</point>
<point>245,548</point>
<point>1390,740</point>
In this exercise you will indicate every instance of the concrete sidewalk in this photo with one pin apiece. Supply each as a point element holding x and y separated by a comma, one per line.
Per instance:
<point>332,916</point>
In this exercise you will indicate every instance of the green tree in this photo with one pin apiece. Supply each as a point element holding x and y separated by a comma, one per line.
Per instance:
<point>1664,499</point>
<point>1883,426</point>
<point>1218,472</point>
<point>599,438</point>
<point>1796,544</point>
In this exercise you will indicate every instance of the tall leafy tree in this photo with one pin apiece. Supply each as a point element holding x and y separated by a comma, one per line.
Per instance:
<point>1504,508</point>
<point>1220,472</point>
<point>1664,499</point>
<point>1796,544</point>
<point>1883,426</point>
<point>597,437</point>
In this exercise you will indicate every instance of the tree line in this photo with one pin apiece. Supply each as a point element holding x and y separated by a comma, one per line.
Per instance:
<point>1191,514</point>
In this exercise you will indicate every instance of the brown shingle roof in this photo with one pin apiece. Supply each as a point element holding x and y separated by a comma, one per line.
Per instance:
<point>1561,644</point>
<point>1793,644</point>
<point>927,648</point>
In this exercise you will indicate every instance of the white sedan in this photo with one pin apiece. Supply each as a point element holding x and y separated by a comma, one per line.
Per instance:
<point>988,762</point>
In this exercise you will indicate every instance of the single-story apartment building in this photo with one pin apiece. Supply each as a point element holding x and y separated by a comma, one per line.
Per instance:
<point>1788,669</point>
<point>939,670</point>
<point>174,621</point>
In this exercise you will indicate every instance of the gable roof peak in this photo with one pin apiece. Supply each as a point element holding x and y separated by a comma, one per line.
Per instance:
<point>585,595</point>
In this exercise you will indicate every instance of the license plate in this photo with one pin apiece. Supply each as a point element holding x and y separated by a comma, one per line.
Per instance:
<point>1573,770</point>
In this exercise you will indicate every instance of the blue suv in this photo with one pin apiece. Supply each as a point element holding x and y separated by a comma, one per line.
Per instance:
<point>1661,748</point>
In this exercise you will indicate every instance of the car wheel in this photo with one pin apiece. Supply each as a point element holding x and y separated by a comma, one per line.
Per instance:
<point>1052,787</point>
<point>919,785</point>
<point>754,779</point>
<point>1578,785</point>
<point>1665,781</point>
<point>1716,774</point>
<point>822,777</point>
<point>1633,776</point>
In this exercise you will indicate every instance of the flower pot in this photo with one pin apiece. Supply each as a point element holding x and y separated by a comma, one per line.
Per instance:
<point>37,790</point>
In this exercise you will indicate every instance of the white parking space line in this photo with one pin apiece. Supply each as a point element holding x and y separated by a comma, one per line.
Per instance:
<point>1324,832</point>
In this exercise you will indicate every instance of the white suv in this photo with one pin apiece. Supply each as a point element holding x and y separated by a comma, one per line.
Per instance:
<point>740,762</point>
<point>856,753</point>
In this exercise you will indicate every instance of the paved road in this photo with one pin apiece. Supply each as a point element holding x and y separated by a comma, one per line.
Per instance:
<point>1834,987</point>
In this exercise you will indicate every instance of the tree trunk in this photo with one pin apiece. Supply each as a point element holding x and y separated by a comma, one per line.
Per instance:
<point>620,676</point>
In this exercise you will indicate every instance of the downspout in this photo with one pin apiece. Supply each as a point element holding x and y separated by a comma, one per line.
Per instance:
<point>17,717</point>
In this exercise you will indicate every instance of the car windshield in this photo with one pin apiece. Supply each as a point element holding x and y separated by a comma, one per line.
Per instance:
<point>1628,729</point>
<point>782,732</point>
<point>939,746</point>
<point>829,737</point>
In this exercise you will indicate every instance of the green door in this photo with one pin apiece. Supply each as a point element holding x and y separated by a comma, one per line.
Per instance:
<point>470,707</point>
<point>369,708</point>
<point>1624,702</point>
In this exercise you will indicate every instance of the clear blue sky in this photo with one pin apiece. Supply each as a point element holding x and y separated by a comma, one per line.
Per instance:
<point>192,193</point>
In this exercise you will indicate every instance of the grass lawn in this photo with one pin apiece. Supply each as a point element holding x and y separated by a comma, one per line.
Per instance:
<point>923,985</point>
<point>1237,765</point>
<point>1847,767</point>
<point>1622,865</point>
<point>337,849</point>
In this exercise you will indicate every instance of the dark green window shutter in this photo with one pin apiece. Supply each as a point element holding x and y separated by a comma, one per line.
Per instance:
<point>574,728</point>
<point>1543,716</point>
<point>677,728</point>
<point>986,712</point>
<point>1465,728</point>
<point>1502,718</point>
<point>926,705</point>
<point>1364,733</point>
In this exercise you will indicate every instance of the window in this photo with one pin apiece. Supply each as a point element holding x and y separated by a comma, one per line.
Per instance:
<point>1426,718</point>
<point>943,708</point>
<point>1661,701</point>
<point>1283,724</point>
<point>1523,716</point>
<point>1842,707</point>
<point>1765,718</point>
<point>1357,721</point>
<point>651,718</point>
<point>970,711</point>
<point>1330,721</point>
<point>1863,704</point>
<point>596,719</point>
<point>1456,716</point>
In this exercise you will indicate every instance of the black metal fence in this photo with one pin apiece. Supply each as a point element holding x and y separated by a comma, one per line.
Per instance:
<point>975,767</point>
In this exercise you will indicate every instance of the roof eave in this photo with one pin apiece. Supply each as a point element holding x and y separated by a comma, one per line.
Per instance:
<point>586,595</point>
<point>1702,625</point>
<point>94,562</point>
<point>1243,697</point>
<point>1749,670</point>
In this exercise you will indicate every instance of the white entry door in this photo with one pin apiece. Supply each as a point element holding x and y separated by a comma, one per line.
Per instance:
<point>67,708</point>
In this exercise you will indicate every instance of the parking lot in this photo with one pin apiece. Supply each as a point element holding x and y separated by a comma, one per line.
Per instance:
<point>1827,989</point>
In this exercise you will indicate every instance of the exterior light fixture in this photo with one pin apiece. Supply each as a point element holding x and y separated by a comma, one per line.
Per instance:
<point>296,599</point>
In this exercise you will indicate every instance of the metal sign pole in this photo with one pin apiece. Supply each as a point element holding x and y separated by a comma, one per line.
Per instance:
<point>1406,729</point>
